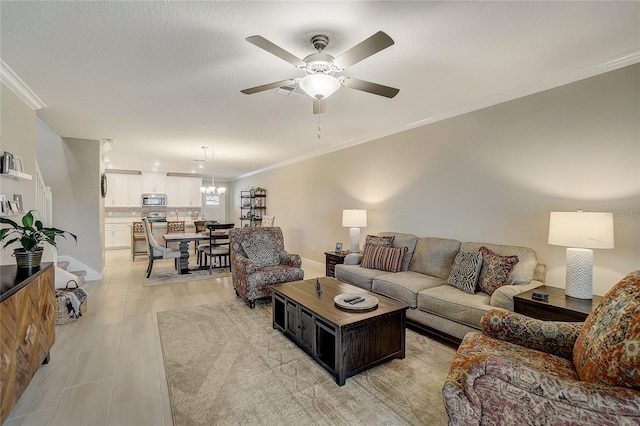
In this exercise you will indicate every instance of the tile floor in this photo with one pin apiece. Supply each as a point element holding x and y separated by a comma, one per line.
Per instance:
<point>106,368</point>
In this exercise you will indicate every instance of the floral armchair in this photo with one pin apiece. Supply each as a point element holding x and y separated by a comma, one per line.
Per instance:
<point>529,372</point>
<point>259,260</point>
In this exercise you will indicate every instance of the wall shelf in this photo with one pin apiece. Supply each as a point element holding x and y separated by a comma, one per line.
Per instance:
<point>14,174</point>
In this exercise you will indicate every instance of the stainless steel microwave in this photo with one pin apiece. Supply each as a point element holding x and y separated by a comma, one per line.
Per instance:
<point>154,200</point>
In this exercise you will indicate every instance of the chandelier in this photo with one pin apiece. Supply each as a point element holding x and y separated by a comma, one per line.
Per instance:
<point>211,190</point>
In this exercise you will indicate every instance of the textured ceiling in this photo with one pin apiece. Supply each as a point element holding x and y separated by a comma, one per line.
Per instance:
<point>164,78</point>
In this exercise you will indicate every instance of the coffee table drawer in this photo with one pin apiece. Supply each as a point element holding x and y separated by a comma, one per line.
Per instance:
<point>345,343</point>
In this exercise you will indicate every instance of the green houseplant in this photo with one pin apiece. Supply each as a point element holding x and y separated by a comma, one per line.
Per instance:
<point>31,235</point>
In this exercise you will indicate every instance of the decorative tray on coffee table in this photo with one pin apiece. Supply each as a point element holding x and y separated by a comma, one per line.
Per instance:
<point>356,302</point>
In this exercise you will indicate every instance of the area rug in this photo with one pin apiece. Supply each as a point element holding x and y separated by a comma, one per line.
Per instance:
<point>225,364</point>
<point>164,272</point>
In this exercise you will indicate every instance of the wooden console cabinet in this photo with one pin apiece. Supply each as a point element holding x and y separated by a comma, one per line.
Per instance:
<point>27,328</point>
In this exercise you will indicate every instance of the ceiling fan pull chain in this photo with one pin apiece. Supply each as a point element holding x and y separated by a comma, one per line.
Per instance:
<point>319,126</point>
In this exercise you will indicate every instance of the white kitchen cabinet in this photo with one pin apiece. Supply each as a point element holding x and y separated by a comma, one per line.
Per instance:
<point>123,190</point>
<point>117,235</point>
<point>153,183</point>
<point>134,191</point>
<point>183,191</point>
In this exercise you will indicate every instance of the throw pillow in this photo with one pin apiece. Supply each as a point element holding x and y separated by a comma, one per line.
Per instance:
<point>608,347</point>
<point>495,270</point>
<point>379,241</point>
<point>465,271</point>
<point>263,250</point>
<point>383,258</point>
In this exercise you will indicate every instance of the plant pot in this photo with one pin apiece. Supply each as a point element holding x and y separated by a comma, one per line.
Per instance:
<point>28,259</point>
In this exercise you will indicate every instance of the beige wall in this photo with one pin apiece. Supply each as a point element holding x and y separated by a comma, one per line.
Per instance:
<point>17,136</point>
<point>492,175</point>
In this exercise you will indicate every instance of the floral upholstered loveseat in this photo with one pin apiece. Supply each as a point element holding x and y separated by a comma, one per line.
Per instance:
<point>259,260</point>
<point>529,372</point>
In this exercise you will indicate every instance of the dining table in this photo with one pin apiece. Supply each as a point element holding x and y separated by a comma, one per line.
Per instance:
<point>183,239</point>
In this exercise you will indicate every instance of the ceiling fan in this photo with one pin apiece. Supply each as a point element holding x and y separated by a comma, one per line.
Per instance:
<point>320,68</point>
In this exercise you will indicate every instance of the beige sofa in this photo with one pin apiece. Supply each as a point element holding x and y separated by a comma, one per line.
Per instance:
<point>435,306</point>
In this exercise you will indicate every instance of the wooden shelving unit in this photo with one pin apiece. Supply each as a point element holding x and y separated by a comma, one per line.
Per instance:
<point>253,205</point>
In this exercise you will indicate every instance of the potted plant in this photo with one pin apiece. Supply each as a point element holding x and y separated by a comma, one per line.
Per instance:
<point>31,235</point>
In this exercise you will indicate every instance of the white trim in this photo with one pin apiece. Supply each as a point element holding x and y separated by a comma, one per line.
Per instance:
<point>628,58</point>
<point>17,86</point>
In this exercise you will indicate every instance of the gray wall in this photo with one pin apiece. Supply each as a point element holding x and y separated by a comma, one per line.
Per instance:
<point>71,167</point>
<point>492,175</point>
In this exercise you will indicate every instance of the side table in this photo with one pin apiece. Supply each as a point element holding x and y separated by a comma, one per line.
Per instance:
<point>333,258</point>
<point>560,307</point>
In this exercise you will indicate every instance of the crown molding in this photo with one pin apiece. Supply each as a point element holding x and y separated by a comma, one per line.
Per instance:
<point>17,86</point>
<point>611,64</point>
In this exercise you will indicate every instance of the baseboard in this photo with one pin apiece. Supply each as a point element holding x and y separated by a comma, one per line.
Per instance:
<point>313,263</point>
<point>76,265</point>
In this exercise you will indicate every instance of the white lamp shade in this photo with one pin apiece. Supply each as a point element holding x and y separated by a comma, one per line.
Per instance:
<point>354,218</point>
<point>319,86</point>
<point>581,229</point>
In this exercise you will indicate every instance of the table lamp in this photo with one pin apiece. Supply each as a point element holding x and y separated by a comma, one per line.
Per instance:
<point>580,232</point>
<point>354,220</point>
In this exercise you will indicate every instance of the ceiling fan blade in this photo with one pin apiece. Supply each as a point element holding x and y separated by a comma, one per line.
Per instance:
<point>364,49</point>
<point>265,44</point>
<point>269,86</point>
<point>319,106</point>
<point>367,86</point>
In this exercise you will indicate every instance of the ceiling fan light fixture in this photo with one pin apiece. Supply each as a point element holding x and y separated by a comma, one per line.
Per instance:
<point>319,86</point>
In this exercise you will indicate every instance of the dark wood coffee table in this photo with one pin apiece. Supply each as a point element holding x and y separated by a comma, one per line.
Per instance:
<point>344,342</point>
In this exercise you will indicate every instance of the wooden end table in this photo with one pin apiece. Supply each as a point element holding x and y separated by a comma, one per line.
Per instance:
<point>333,258</point>
<point>560,307</point>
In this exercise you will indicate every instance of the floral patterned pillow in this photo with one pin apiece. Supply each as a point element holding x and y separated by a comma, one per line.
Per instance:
<point>607,350</point>
<point>495,270</point>
<point>379,241</point>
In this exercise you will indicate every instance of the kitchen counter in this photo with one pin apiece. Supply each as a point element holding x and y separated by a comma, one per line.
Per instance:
<point>128,220</point>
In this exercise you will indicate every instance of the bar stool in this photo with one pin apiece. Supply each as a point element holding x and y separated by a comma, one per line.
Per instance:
<point>137,234</point>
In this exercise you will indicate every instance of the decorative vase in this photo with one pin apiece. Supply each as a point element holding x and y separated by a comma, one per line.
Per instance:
<point>28,259</point>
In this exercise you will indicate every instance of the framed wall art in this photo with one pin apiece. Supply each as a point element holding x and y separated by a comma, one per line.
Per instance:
<point>18,199</point>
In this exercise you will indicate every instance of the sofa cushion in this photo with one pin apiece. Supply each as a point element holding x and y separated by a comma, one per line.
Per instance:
<point>379,241</point>
<point>383,257</point>
<point>403,240</point>
<point>449,302</point>
<point>434,256</point>
<point>404,286</point>
<point>495,270</point>
<point>357,275</point>
<point>522,273</point>
<point>608,346</point>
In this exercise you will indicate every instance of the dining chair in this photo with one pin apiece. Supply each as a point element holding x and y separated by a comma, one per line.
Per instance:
<point>267,221</point>
<point>137,235</point>
<point>155,250</point>
<point>200,226</point>
<point>174,227</point>
<point>217,249</point>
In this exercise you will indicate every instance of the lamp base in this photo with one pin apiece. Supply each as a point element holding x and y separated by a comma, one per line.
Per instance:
<point>579,273</point>
<point>354,240</point>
